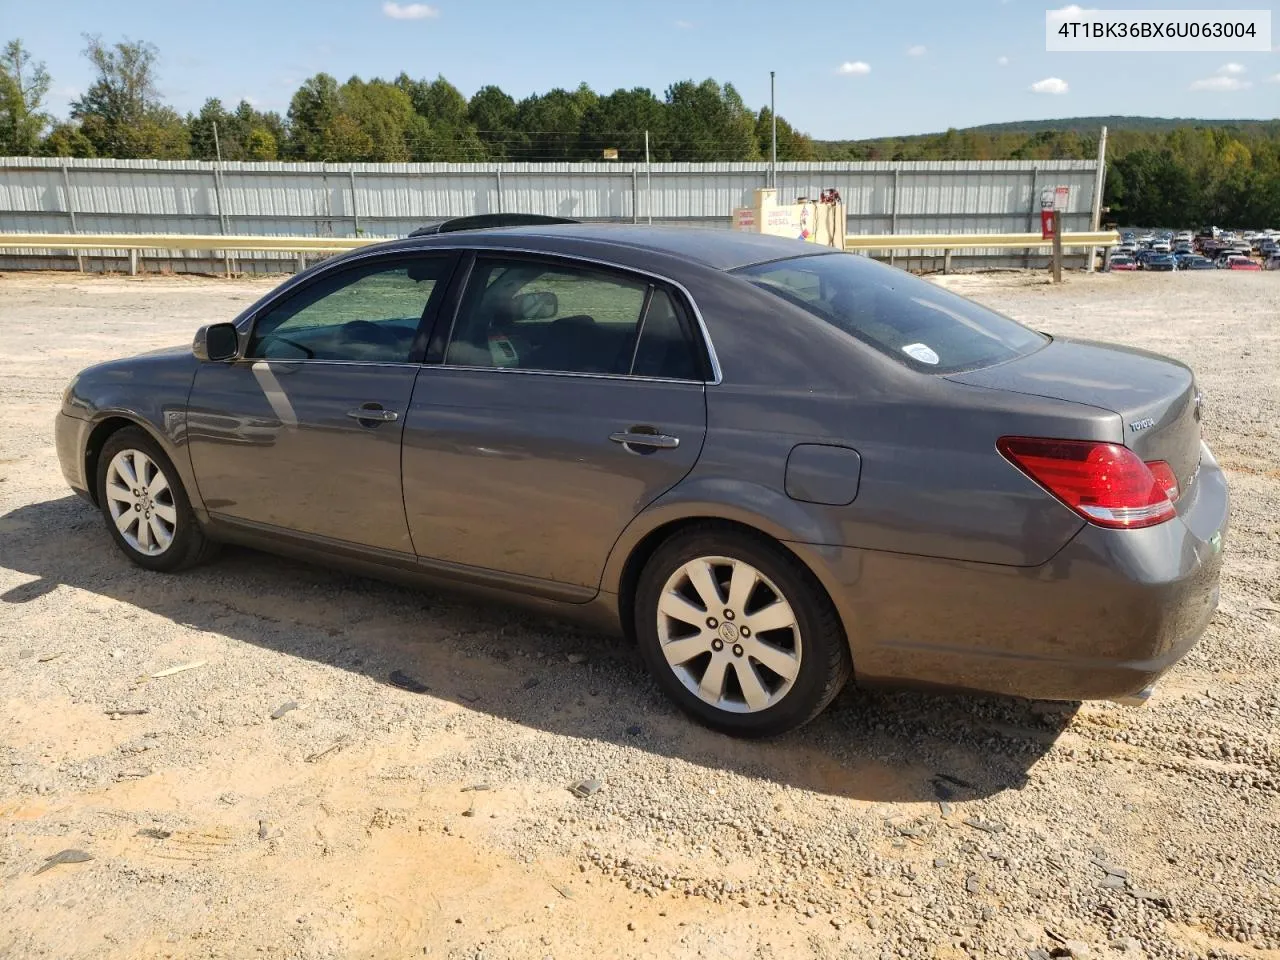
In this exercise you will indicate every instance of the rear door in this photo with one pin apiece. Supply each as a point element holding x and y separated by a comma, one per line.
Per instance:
<point>303,434</point>
<point>567,398</point>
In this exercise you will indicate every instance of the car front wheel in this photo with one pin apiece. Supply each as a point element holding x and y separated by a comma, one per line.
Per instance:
<point>145,505</point>
<point>739,633</point>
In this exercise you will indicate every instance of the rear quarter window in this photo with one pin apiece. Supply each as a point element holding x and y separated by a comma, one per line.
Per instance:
<point>917,323</point>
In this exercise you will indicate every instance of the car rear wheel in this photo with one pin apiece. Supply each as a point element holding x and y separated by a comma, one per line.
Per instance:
<point>739,633</point>
<point>145,506</point>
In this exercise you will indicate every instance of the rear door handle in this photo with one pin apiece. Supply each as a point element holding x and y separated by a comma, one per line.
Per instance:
<point>373,412</point>
<point>654,441</point>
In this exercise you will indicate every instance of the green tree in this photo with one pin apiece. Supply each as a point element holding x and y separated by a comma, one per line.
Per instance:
<point>445,131</point>
<point>708,122</point>
<point>384,114</point>
<point>620,121</point>
<point>23,86</point>
<point>67,140</point>
<point>311,112</point>
<point>121,113</point>
<point>492,114</point>
<point>549,126</point>
<point>792,145</point>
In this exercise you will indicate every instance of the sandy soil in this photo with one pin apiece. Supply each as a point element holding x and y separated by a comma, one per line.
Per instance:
<point>374,822</point>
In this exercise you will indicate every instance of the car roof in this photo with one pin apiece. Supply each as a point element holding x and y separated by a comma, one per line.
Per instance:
<point>719,249</point>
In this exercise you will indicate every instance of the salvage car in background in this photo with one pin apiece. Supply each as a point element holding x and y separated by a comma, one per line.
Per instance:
<point>773,466</point>
<point>1240,263</point>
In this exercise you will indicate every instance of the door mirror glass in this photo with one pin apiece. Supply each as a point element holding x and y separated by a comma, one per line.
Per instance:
<point>541,305</point>
<point>217,342</point>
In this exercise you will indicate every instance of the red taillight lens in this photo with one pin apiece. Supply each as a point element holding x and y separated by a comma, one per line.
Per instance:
<point>1167,479</point>
<point>1105,483</point>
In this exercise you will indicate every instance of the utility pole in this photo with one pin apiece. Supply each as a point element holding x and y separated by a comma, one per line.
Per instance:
<point>648,179</point>
<point>773,152</point>
<point>217,189</point>
<point>1099,181</point>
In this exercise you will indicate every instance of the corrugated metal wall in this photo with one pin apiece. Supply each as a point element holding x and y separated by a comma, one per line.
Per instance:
<point>389,200</point>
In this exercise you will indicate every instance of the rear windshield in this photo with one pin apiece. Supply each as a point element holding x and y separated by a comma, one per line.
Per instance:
<point>911,320</point>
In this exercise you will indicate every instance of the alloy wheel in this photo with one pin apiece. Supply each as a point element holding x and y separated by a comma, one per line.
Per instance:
<point>729,634</point>
<point>141,503</point>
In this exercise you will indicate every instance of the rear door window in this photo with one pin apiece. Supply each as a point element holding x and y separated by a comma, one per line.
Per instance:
<point>558,318</point>
<point>916,322</point>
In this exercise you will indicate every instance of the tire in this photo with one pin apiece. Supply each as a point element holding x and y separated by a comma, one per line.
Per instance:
<point>160,496</point>
<point>769,684</point>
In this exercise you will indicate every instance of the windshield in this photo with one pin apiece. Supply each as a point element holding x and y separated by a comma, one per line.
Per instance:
<point>911,320</point>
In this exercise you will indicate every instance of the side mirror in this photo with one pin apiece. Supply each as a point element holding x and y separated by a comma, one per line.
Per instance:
<point>217,342</point>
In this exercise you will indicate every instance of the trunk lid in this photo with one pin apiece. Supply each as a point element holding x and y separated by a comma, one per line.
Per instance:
<point>1155,397</point>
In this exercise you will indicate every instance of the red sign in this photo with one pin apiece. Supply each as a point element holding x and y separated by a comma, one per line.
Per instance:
<point>1046,224</point>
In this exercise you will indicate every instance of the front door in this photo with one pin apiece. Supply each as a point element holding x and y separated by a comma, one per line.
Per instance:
<point>568,400</point>
<point>303,434</point>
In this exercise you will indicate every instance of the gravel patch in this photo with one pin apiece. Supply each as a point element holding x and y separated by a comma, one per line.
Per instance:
<point>346,768</point>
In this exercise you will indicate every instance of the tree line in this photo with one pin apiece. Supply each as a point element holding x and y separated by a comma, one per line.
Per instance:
<point>1193,174</point>
<point>122,115</point>
<point>1186,176</point>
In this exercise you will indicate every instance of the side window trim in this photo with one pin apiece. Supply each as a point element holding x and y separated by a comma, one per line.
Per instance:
<point>432,311</point>
<point>697,335</point>
<point>635,340</point>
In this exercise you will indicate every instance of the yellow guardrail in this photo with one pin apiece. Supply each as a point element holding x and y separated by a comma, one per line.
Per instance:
<point>968,241</point>
<point>169,241</point>
<point>158,241</point>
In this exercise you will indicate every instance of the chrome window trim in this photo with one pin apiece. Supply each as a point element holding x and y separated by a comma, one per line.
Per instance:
<point>512,371</point>
<point>340,363</point>
<point>717,375</point>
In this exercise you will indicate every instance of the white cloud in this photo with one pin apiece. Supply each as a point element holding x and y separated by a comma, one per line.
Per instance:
<point>409,11</point>
<point>1231,69</point>
<point>684,24</point>
<point>1002,61</point>
<point>1220,84</point>
<point>854,68</point>
<point>1052,85</point>
<point>1072,10</point>
<point>1274,78</point>
<point>919,50</point>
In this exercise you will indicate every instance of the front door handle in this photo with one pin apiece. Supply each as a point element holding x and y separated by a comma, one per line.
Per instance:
<point>653,441</point>
<point>374,413</point>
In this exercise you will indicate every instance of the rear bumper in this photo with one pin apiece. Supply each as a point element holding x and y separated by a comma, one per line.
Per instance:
<point>1103,619</point>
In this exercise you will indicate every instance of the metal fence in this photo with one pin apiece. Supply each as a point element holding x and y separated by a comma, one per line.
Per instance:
<point>54,195</point>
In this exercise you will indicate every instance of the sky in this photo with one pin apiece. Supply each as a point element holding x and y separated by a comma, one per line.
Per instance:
<point>845,70</point>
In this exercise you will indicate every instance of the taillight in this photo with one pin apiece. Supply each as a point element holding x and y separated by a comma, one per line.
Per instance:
<point>1167,479</point>
<point>1106,483</point>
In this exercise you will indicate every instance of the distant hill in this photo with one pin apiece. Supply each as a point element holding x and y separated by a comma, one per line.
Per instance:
<point>1087,126</point>
<point>1091,124</point>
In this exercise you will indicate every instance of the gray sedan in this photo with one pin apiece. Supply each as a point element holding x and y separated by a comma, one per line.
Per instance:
<point>773,465</point>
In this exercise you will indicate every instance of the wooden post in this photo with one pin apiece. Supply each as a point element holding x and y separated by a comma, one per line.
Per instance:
<point>1057,246</point>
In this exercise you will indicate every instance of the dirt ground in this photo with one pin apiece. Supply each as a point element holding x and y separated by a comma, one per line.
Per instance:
<point>369,821</point>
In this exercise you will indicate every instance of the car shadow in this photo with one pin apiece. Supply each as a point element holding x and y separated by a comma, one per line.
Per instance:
<point>869,745</point>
